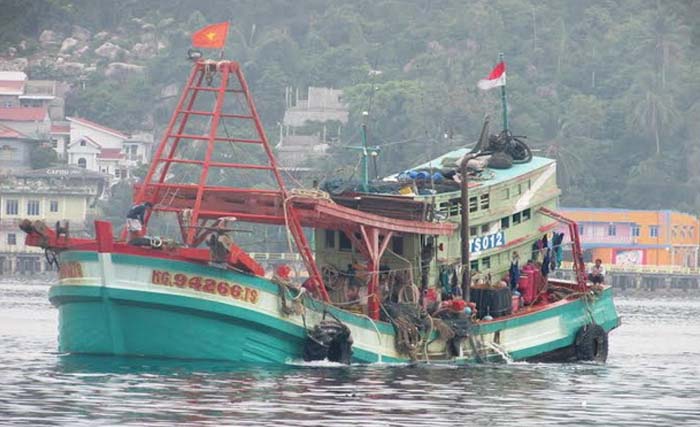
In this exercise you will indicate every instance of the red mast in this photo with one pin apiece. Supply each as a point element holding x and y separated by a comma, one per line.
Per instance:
<point>233,112</point>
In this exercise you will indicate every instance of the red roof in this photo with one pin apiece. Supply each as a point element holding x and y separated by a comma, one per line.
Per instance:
<point>23,114</point>
<point>60,129</point>
<point>98,126</point>
<point>8,132</point>
<point>111,154</point>
<point>12,87</point>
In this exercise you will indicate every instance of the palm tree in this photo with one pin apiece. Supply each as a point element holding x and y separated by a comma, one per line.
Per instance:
<point>653,109</point>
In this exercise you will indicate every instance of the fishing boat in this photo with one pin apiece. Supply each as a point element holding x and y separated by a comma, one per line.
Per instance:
<point>389,278</point>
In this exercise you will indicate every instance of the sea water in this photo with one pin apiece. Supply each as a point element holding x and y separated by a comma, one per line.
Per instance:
<point>652,378</point>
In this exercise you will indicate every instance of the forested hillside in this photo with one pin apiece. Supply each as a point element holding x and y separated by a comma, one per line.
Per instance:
<point>609,88</point>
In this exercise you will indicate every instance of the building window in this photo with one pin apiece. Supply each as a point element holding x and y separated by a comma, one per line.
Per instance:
<point>344,243</point>
<point>11,239</point>
<point>474,265</point>
<point>472,204</point>
<point>635,231</point>
<point>485,228</point>
<point>529,184</point>
<point>330,239</point>
<point>11,207</point>
<point>484,201</point>
<point>580,229</point>
<point>473,231</point>
<point>506,193</point>
<point>505,222</point>
<point>53,206</point>
<point>520,190</point>
<point>82,143</point>
<point>527,214</point>
<point>486,263</point>
<point>82,162</point>
<point>397,245</point>
<point>117,173</point>
<point>32,207</point>
<point>516,218</point>
<point>691,232</point>
<point>612,230</point>
<point>653,231</point>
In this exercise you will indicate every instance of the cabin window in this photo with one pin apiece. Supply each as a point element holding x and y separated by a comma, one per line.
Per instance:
<point>455,207</point>
<point>635,231</point>
<point>53,206</point>
<point>484,201</point>
<point>516,218</point>
<point>32,207</point>
<point>472,204</point>
<point>397,245</point>
<point>527,214</point>
<point>11,207</point>
<point>612,230</point>
<point>344,243</point>
<point>473,231</point>
<point>505,222</point>
<point>485,263</point>
<point>11,239</point>
<point>653,231</point>
<point>580,229</point>
<point>506,193</point>
<point>330,239</point>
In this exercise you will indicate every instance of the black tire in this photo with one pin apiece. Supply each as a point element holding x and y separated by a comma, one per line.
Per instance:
<point>591,344</point>
<point>329,340</point>
<point>520,151</point>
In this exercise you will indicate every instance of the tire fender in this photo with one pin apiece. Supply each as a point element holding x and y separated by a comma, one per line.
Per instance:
<point>591,343</point>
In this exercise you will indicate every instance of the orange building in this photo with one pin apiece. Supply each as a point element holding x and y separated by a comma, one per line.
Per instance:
<point>638,237</point>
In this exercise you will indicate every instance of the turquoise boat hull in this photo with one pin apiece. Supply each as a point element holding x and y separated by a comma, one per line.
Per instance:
<point>117,304</point>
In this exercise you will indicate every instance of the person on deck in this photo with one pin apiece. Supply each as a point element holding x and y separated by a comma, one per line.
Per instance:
<point>597,273</point>
<point>135,218</point>
<point>514,271</point>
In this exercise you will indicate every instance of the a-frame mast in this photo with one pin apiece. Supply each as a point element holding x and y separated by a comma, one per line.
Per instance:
<point>157,186</point>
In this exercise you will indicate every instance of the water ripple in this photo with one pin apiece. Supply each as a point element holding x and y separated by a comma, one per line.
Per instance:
<point>650,379</point>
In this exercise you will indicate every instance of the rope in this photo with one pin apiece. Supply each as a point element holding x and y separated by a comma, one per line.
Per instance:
<point>297,193</point>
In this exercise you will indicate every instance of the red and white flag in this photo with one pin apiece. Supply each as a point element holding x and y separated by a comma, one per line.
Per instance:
<point>495,79</point>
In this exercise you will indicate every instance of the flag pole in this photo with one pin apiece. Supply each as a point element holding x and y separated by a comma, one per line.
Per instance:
<point>504,103</point>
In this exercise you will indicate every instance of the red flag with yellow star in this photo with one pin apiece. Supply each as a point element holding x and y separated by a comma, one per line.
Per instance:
<point>212,36</point>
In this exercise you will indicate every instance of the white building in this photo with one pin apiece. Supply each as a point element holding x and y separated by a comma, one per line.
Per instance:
<point>102,149</point>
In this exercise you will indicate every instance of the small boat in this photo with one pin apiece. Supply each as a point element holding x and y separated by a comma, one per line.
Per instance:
<point>389,279</point>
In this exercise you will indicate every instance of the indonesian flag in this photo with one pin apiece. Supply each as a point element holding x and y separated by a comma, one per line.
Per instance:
<point>212,36</point>
<point>495,79</point>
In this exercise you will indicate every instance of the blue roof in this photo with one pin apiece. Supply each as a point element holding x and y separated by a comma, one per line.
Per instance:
<point>500,175</point>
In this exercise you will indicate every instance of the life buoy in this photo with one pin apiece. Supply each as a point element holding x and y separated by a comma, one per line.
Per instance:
<point>330,340</point>
<point>591,343</point>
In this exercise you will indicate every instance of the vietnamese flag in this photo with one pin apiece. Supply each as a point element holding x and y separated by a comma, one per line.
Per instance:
<point>212,36</point>
<point>495,79</point>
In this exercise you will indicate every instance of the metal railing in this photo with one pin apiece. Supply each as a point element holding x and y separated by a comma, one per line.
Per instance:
<point>645,269</point>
